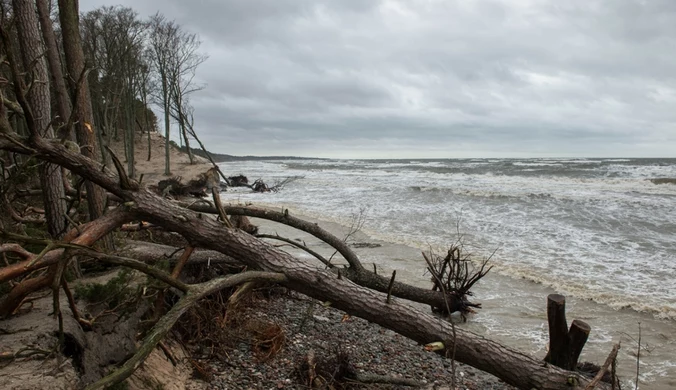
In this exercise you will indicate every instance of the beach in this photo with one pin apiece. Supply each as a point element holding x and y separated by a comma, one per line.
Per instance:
<point>372,349</point>
<point>614,277</point>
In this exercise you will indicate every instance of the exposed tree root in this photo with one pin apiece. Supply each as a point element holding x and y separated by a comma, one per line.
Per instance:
<point>157,333</point>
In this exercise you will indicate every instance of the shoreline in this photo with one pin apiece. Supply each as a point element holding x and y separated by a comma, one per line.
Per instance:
<point>504,317</point>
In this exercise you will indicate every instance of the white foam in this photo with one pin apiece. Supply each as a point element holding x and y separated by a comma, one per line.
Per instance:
<point>594,226</point>
<point>600,232</point>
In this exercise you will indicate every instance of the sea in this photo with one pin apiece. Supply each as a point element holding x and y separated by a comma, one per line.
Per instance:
<point>599,231</point>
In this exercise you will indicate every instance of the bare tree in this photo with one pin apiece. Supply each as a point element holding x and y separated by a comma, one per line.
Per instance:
<point>162,38</point>
<point>353,289</point>
<point>184,63</point>
<point>175,58</point>
<point>357,296</point>
<point>82,109</point>
<point>114,42</point>
<point>55,69</point>
<point>145,86</point>
<point>38,97</point>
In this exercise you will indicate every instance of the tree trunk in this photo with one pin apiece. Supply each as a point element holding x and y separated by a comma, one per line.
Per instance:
<point>88,234</point>
<point>39,99</point>
<point>182,125</point>
<point>150,148</point>
<point>565,345</point>
<point>54,60</point>
<point>513,367</point>
<point>165,92</point>
<point>131,169</point>
<point>84,128</point>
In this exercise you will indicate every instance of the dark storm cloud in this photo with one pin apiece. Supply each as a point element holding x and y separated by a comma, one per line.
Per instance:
<point>434,78</point>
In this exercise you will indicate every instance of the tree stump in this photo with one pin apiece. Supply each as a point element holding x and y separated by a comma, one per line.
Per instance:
<point>565,345</point>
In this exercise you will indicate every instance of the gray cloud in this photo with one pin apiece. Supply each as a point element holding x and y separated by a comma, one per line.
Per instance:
<point>433,78</point>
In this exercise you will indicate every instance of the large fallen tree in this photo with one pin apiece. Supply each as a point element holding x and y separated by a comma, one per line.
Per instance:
<point>354,290</point>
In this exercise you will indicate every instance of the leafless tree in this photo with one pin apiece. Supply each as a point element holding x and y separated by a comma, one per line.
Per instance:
<point>114,41</point>
<point>162,39</point>
<point>185,61</point>
<point>38,96</point>
<point>82,116</point>
<point>352,288</point>
<point>175,58</point>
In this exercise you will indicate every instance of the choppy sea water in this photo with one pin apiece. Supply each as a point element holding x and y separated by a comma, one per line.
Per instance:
<point>596,230</point>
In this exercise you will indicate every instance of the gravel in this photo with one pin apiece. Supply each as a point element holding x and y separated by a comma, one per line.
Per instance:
<point>371,349</point>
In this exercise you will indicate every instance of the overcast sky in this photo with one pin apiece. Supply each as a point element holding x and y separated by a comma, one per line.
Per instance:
<point>432,78</point>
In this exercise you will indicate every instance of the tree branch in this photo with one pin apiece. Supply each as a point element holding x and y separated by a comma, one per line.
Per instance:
<point>157,333</point>
<point>299,246</point>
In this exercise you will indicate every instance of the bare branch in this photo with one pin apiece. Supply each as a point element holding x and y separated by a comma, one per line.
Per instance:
<point>298,245</point>
<point>195,293</point>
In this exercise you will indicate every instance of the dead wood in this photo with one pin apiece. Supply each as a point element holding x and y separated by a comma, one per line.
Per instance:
<point>170,280</point>
<point>609,360</point>
<point>195,293</point>
<point>151,253</point>
<point>565,345</point>
<point>298,245</point>
<point>512,366</point>
<point>89,233</point>
<point>174,186</point>
<point>355,272</point>
<point>238,181</point>
<point>335,371</point>
<point>243,223</point>
<point>199,187</point>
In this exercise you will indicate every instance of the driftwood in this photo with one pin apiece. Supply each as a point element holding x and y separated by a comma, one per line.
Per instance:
<point>258,185</point>
<point>238,181</point>
<point>345,293</point>
<point>455,274</point>
<point>199,187</point>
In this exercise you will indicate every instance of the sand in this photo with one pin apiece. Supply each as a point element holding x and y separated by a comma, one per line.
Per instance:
<point>153,170</point>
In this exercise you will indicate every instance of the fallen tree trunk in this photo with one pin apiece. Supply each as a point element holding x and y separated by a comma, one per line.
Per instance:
<point>355,272</point>
<point>88,234</point>
<point>508,364</point>
<point>511,366</point>
<point>152,253</point>
<point>85,235</point>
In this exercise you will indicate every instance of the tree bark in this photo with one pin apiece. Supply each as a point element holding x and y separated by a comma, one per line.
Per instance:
<point>152,253</point>
<point>577,338</point>
<point>180,116</point>
<point>513,367</point>
<point>54,60</point>
<point>131,139</point>
<point>565,345</point>
<point>84,128</point>
<point>558,330</point>
<point>39,99</point>
<point>167,129</point>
